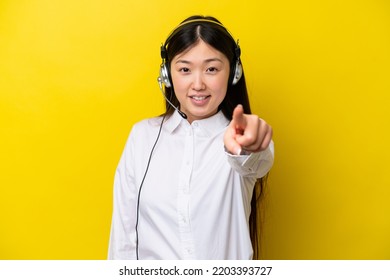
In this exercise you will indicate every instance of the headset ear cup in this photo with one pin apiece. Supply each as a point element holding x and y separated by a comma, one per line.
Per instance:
<point>164,75</point>
<point>237,72</point>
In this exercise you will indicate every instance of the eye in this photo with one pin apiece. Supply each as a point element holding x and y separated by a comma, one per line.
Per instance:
<point>184,70</point>
<point>212,69</point>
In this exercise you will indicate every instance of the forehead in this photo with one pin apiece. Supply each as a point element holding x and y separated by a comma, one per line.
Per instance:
<point>200,50</point>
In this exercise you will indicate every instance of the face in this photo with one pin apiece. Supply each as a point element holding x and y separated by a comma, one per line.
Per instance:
<point>200,79</point>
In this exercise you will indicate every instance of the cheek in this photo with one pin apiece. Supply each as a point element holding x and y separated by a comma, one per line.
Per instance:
<point>179,83</point>
<point>219,86</point>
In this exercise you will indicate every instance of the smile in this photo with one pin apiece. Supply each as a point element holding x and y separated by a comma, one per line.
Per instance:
<point>199,98</point>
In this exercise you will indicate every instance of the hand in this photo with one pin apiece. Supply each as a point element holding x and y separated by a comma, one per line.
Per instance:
<point>246,133</point>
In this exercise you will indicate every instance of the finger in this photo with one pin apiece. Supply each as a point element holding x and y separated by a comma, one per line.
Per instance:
<point>267,139</point>
<point>231,145</point>
<point>238,119</point>
<point>261,143</point>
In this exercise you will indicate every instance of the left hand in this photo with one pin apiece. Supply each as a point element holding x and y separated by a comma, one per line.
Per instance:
<point>246,133</point>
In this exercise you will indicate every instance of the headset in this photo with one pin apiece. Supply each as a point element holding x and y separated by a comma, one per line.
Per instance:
<point>164,77</point>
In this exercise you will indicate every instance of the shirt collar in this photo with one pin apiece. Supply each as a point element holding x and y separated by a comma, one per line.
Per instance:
<point>210,126</point>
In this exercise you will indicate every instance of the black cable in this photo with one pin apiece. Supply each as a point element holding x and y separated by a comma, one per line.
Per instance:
<point>140,187</point>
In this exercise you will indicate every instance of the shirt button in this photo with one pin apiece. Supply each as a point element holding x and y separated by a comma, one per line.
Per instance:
<point>189,251</point>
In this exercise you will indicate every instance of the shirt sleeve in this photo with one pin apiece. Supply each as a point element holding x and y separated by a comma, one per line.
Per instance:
<point>254,164</point>
<point>122,236</point>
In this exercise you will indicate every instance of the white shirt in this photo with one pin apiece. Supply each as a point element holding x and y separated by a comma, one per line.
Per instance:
<point>195,200</point>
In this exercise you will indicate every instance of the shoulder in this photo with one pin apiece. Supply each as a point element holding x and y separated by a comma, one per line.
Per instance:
<point>144,128</point>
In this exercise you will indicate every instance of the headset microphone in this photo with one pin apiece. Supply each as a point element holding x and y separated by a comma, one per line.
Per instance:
<point>183,115</point>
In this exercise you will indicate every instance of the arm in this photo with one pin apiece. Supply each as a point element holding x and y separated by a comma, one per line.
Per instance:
<point>253,164</point>
<point>122,237</point>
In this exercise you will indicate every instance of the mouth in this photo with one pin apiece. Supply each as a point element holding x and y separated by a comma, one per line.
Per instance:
<point>200,98</point>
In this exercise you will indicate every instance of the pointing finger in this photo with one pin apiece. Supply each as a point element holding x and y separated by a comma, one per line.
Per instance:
<point>238,119</point>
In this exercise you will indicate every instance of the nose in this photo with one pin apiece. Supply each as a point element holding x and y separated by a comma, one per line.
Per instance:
<point>198,83</point>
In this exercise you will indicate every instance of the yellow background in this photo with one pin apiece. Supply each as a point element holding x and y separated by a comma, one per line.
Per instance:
<point>76,74</point>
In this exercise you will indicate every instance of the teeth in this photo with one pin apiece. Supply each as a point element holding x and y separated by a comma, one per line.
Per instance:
<point>198,98</point>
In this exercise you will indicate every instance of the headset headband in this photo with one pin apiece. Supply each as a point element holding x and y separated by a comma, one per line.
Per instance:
<point>200,20</point>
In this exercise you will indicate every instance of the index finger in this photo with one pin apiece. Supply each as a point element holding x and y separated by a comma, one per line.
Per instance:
<point>238,119</point>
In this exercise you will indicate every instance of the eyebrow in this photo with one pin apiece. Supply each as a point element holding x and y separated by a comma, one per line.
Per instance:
<point>205,61</point>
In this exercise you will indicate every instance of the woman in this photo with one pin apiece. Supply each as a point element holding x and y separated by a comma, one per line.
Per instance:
<point>184,185</point>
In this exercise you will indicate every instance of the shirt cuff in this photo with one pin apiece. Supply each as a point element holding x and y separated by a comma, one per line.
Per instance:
<point>252,164</point>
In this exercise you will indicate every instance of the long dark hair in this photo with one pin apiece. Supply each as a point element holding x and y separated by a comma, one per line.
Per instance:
<point>212,32</point>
